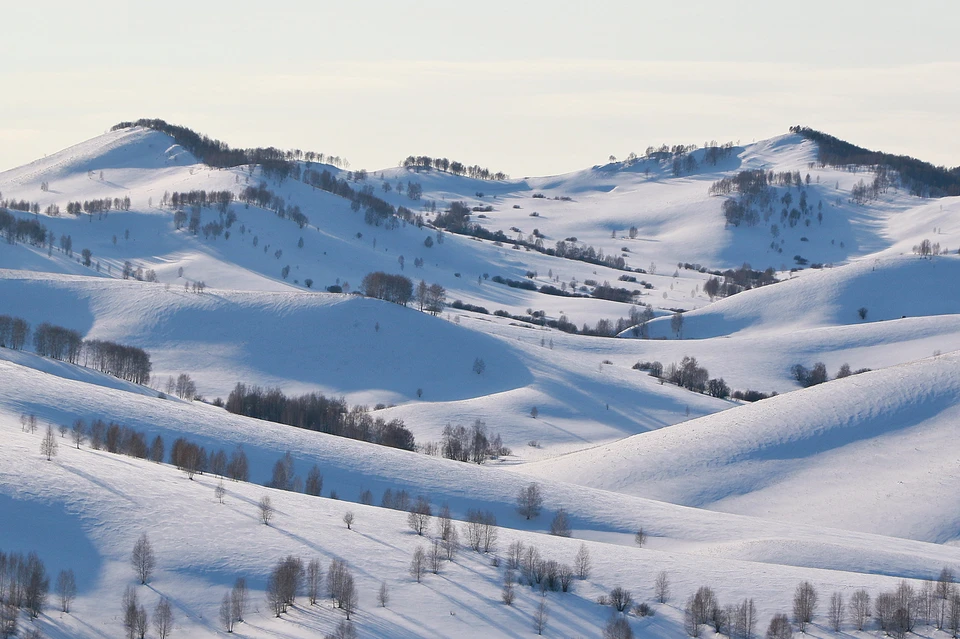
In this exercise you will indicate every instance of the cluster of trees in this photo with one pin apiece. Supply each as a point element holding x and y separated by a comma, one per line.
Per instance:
<point>384,286</point>
<point>733,281</point>
<point>862,192</point>
<point>13,332</point>
<point>64,344</point>
<point>102,205</point>
<point>471,445</point>
<point>818,374</point>
<point>927,249</point>
<point>135,619</point>
<point>687,374</point>
<point>19,205</point>
<point>431,298</point>
<point>15,229</point>
<point>419,162</point>
<point>219,199</point>
<point>922,178</point>
<point>896,613</point>
<point>376,210</point>
<point>126,362</point>
<point>313,411</point>
<point>218,154</point>
<point>58,343</point>
<point>24,585</point>
<point>267,199</point>
<point>756,197</point>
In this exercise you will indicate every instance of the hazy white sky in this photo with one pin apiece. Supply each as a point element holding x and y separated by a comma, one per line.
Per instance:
<point>525,87</point>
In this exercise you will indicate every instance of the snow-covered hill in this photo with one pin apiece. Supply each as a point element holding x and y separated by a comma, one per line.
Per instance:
<point>849,484</point>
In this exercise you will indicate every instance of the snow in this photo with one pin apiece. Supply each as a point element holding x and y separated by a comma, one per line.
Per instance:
<point>849,484</point>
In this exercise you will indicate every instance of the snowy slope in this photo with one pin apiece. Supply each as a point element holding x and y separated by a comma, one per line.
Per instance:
<point>888,287</point>
<point>99,503</point>
<point>873,452</point>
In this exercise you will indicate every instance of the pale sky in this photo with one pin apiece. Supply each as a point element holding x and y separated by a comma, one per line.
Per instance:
<point>526,87</point>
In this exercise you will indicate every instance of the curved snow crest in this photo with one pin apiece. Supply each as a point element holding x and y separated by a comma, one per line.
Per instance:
<point>297,340</point>
<point>133,148</point>
<point>887,288</point>
<point>856,453</point>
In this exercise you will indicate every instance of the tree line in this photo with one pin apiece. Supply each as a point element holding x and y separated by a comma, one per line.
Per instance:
<point>418,162</point>
<point>922,178</point>
<point>314,411</point>
<point>64,344</point>
<point>16,229</point>
<point>102,205</point>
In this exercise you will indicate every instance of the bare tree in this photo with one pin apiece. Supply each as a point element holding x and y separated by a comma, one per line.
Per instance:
<point>341,586</point>
<point>859,608</point>
<point>383,595</point>
<point>804,605</point>
<point>314,484</point>
<point>142,622</point>
<point>418,563</point>
<point>344,630</point>
<point>699,610</point>
<point>640,538</point>
<point>836,611</point>
<point>617,628</point>
<point>779,627</point>
<point>238,598</point>
<point>348,519</point>
<point>581,563</point>
<point>540,615</point>
<point>444,523</point>
<point>163,618</point>
<point>48,445</point>
<point>481,530</point>
<point>451,544</point>
<point>942,594</point>
<point>676,323</point>
<point>530,501</point>
<point>143,559</point>
<point>34,584</point>
<point>314,579</point>
<point>514,554</point>
<point>436,556</point>
<point>419,516</point>
<point>560,526</point>
<point>9,616</point>
<point>131,603</point>
<point>78,432</point>
<point>661,586</point>
<point>566,577</point>
<point>744,621</point>
<point>227,620</point>
<point>266,510</point>
<point>621,599</point>
<point>220,491</point>
<point>66,589</point>
<point>508,594</point>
